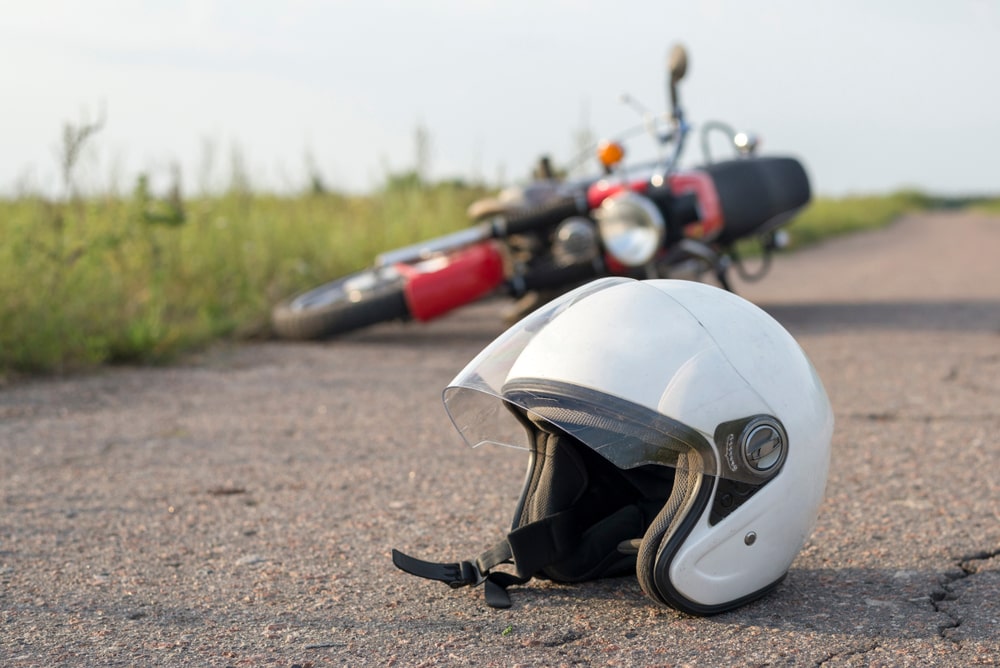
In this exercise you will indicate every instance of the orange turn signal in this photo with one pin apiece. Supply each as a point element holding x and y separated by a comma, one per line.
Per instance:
<point>610,153</point>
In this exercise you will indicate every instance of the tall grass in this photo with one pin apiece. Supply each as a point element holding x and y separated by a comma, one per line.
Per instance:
<point>88,281</point>
<point>112,279</point>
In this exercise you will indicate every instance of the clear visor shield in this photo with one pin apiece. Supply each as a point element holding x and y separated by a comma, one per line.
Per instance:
<point>488,405</point>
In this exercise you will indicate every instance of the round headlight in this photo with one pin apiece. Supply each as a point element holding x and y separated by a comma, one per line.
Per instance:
<point>631,227</point>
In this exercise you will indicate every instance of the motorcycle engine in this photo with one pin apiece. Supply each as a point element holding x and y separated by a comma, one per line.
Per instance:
<point>574,242</point>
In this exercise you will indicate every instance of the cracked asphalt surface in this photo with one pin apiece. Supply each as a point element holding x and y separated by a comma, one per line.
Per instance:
<point>239,508</point>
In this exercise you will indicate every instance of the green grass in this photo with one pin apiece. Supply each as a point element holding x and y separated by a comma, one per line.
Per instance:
<point>990,206</point>
<point>826,217</point>
<point>140,279</point>
<point>829,217</point>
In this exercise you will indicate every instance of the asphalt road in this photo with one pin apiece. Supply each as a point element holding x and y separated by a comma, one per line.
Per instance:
<point>239,508</point>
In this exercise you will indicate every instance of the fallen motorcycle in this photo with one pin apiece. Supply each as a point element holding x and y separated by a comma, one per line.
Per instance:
<point>648,221</point>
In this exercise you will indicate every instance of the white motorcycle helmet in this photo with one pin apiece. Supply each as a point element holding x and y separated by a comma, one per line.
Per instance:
<point>674,430</point>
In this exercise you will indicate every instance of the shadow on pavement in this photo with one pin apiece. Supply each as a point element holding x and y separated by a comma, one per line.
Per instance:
<point>835,317</point>
<point>870,602</point>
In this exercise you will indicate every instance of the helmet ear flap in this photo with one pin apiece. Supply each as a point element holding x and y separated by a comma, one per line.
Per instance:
<point>688,503</point>
<point>688,499</point>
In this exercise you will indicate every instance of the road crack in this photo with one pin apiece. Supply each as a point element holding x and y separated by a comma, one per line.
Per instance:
<point>965,567</point>
<point>565,639</point>
<point>858,651</point>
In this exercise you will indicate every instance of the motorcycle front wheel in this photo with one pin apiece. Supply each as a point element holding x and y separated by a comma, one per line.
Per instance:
<point>346,304</point>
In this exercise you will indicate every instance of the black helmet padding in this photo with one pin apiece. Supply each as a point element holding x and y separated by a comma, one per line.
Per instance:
<point>608,508</point>
<point>575,512</point>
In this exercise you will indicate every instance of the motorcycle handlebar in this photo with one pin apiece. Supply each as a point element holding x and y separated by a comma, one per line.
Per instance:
<point>557,277</point>
<point>679,209</point>
<point>540,217</point>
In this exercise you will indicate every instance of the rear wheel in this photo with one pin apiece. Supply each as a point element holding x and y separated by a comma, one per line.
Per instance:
<point>352,302</point>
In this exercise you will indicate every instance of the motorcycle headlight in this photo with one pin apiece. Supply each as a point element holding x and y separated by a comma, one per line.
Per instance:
<point>631,227</point>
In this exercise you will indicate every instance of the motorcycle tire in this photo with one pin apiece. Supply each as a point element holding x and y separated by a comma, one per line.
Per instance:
<point>365,298</point>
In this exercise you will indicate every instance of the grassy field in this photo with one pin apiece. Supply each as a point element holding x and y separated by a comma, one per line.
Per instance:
<point>140,278</point>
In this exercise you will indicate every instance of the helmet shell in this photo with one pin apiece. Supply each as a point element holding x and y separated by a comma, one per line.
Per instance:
<point>703,356</point>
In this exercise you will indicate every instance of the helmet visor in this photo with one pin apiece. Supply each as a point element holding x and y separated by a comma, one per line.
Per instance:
<point>487,404</point>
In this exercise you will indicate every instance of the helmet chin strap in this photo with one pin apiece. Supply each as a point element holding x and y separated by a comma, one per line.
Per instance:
<point>530,548</point>
<point>462,574</point>
<point>534,547</point>
<point>576,510</point>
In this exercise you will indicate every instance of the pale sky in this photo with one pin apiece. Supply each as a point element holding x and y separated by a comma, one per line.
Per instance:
<point>871,95</point>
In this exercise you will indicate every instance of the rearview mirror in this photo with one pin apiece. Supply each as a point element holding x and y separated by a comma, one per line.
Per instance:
<point>677,63</point>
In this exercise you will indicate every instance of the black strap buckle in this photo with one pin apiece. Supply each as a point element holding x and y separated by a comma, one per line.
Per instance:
<point>461,574</point>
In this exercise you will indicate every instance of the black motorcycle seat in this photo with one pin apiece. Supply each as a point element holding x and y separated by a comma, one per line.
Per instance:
<point>758,194</point>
